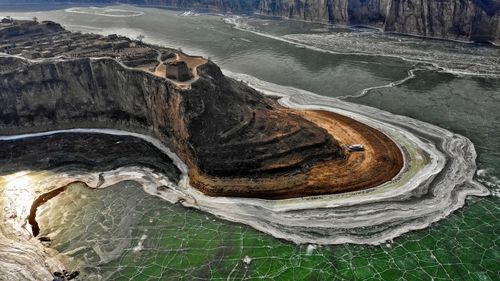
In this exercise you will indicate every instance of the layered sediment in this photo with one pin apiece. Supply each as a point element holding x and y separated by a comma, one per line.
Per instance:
<point>235,140</point>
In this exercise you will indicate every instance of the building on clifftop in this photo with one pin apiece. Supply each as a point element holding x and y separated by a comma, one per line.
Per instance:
<point>178,70</point>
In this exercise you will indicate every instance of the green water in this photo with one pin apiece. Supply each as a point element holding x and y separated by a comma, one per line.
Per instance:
<point>184,244</point>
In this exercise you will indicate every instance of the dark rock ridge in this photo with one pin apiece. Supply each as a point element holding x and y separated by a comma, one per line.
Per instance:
<point>220,127</point>
<point>470,20</point>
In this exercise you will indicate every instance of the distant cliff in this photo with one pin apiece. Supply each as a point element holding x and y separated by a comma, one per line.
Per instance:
<point>474,20</point>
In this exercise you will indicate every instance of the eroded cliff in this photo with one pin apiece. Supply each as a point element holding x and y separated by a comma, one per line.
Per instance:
<point>474,20</point>
<point>221,126</point>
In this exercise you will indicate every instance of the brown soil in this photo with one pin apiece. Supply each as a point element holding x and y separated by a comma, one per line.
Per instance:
<point>380,162</point>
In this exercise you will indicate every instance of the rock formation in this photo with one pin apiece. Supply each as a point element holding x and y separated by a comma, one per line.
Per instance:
<point>235,140</point>
<point>471,20</point>
<point>219,127</point>
<point>476,20</point>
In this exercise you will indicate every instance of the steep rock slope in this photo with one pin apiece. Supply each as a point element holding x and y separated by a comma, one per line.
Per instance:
<point>475,20</point>
<point>455,19</point>
<point>221,128</point>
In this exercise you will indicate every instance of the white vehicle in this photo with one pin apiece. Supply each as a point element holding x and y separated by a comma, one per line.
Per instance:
<point>356,147</point>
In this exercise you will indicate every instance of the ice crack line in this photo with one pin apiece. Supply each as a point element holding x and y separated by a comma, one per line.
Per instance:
<point>364,92</point>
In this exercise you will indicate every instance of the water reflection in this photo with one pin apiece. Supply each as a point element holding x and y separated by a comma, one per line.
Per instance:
<point>19,192</point>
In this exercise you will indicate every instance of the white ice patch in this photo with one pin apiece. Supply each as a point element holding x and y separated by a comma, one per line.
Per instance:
<point>139,246</point>
<point>310,249</point>
<point>492,182</point>
<point>247,260</point>
<point>464,61</point>
<point>107,12</point>
<point>482,172</point>
<point>189,14</point>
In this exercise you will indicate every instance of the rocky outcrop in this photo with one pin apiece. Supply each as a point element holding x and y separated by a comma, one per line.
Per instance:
<point>29,28</point>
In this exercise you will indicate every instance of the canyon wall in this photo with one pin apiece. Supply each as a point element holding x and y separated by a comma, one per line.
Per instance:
<point>454,19</point>
<point>332,11</point>
<point>470,20</point>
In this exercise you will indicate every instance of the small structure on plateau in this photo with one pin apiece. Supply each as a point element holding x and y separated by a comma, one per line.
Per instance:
<point>178,70</point>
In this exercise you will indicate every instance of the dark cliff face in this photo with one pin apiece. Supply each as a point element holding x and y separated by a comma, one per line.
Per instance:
<point>453,19</point>
<point>474,20</point>
<point>221,126</point>
<point>333,11</point>
<point>73,91</point>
